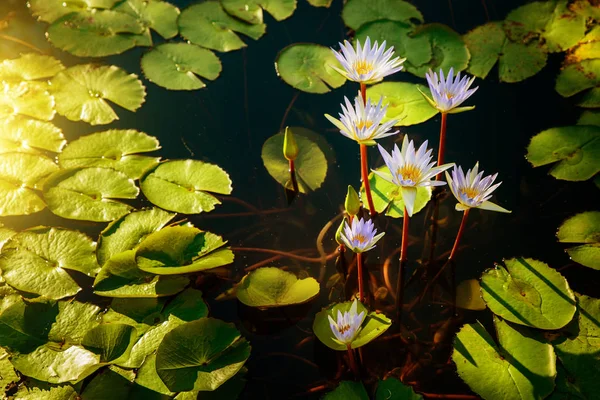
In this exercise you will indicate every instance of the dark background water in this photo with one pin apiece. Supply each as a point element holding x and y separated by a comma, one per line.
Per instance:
<point>227,123</point>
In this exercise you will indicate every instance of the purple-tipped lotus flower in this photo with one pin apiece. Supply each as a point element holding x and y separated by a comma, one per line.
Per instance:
<point>472,190</point>
<point>347,326</point>
<point>409,169</point>
<point>450,92</point>
<point>367,64</point>
<point>360,235</point>
<point>363,122</point>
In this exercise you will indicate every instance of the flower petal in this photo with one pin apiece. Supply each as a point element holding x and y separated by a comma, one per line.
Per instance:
<point>488,205</point>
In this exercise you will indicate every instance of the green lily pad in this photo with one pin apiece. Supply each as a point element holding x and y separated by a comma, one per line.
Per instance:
<point>564,29</point>
<point>404,101</point>
<point>359,12</point>
<point>589,117</point>
<point>251,11</point>
<point>528,292</point>
<point>388,197</point>
<point>485,44</point>
<point>185,186</point>
<point>73,321</point>
<point>181,249</point>
<point>373,325</point>
<point>188,306</point>
<point>35,390</point>
<point>95,33</point>
<point>348,390</point>
<point>30,99</point>
<point>208,25</point>
<point>586,50</point>
<point>320,3</point>
<point>147,377</point>
<point>116,148</point>
<point>583,228</point>
<point>159,16</point>
<point>417,50</point>
<point>308,67</point>
<point>110,341</point>
<point>8,376</point>
<point>176,66</point>
<point>108,384</point>
<point>201,355</point>
<point>528,22</point>
<point>82,91</point>
<point>575,78</point>
<point>24,325</point>
<point>271,287</point>
<point>590,99</point>
<point>310,164</point>
<point>88,194</point>
<point>128,231</point>
<point>448,50</point>
<point>565,387</point>
<point>29,67</point>
<point>580,353</point>
<point>51,10</point>
<point>575,149</point>
<point>393,389</point>
<point>27,135</point>
<point>523,366</point>
<point>519,61</point>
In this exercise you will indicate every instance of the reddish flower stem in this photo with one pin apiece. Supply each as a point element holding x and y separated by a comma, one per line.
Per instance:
<point>403,257</point>
<point>404,243</point>
<point>359,267</point>
<point>442,147</point>
<point>352,361</point>
<point>461,230</point>
<point>293,176</point>
<point>363,92</point>
<point>365,177</point>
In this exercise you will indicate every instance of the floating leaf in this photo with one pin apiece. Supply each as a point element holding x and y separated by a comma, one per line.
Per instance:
<point>320,3</point>
<point>24,135</point>
<point>575,149</point>
<point>373,325</point>
<point>583,228</point>
<point>519,61</point>
<point>147,377</point>
<point>359,12</point>
<point>310,165</point>
<point>591,98</point>
<point>252,10</point>
<point>88,194</point>
<point>35,390</point>
<point>528,292</point>
<point>485,44</point>
<point>115,148</point>
<point>110,341</point>
<point>585,51</point>
<point>158,15</point>
<point>201,355</point>
<point>208,25</point>
<point>23,325</point>
<point>8,376</point>
<point>73,321</point>
<point>521,367</point>
<point>574,78</point>
<point>404,101</point>
<point>30,66</point>
<point>564,29</point>
<point>529,21</point>
<point>51,10</point>
<point>175,66</point>
<point>26,98</point>
<point>388,197</point>
<point>128,231</point>
<point>308,67</point>
<point>182,249</point>
<point>81,92</point>
<point>271,287</point>
<point>348,390</point>
<point>393,389</point>
<point>185,186</point>
<point>589,118</point>
<point>188,306</point>
<point>108,384</point>
<point>468,295</point>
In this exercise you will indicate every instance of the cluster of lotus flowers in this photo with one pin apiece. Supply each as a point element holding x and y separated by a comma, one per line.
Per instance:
<point>408,167</point>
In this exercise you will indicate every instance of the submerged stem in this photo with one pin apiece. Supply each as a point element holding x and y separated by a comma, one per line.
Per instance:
<point>442,147</point>
<point>403,257</point>
<point>364,169</point>
<point>463,223</point>
<point>359,267</point>
<point>352,361</point>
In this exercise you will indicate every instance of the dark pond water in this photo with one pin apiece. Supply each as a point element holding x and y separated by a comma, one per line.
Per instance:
<point>227,124</point>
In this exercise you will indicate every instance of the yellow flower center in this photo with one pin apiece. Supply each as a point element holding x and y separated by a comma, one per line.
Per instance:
<point>364,124</point>
<point>360,238</point>
<point>363,67</point>
<point>409,171</point>
<point>449,95</point>
<point>471,193</point>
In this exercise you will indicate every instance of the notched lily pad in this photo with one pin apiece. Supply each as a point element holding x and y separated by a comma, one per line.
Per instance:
<point>251,11</point>
<point>271,287</point>
<point>520,61</point>
<point>404,101</point>
<point>308,67</point>
<point>30,66</point>
<point>51,10</point>
<point>485,46</point>
<point>348,390</point>
<point>584,229</point>
<point>110,341</point>
<point>358,12</point>
<point>27,135</point>
<point>574,78</point>
<point>393,389</point>
<point>30,99</point>
<point>157,15</point>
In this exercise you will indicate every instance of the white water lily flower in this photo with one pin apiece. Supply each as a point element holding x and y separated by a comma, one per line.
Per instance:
<point>409,169</point>
<point>472,190</point>
<point>367,64</point>
<point>360,235</point>
<point>347,326</point>
<point>450,92</point>
<point>363,122</point>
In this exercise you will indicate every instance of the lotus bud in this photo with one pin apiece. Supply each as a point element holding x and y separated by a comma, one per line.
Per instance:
<point>340,229</point>
<point>290,148</point>
<point>352,203</point>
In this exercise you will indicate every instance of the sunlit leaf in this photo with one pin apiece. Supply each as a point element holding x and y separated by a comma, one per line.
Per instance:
<point>73,321</point>
<point>359,12</point>
<point>564,29</point>
<point>586,50</point>
<point>528,22</point>
<point>485,44</point>
<point>522,366</point>
<point>404,101</point>
<point>8,375</point>
<point>30,66</point>
<point>188,306</point>
<point>574,78</point>
<point>147,377</point>
<point>26,135</point>
<point>591,98</point>
<point>26,98</point>
<point>89,194</point>
<point>82,91</point>
<point>117,149</point>
<point>575,149</point>
<point>51,10</point>
<point>393,389</point>
<point>519,61</point>
<point>348,390</point>
<point>308,67</point>
<point>273,287</point>
<point>201,355</point>
<point>110,341</point>
<point>35,390</point>
<point>528,292</point>
<point>208,25</point>
<point>584,229</point>
<point>185,186</point>
<point>589,118</point>
<point>159,16</point>
<point>176,66</point>
<point>252,10</point>
<point>181,249</point>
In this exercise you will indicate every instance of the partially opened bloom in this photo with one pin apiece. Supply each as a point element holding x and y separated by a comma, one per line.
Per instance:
<point>363,122</point>
<point>472,190</point>
<point>360,235</point>
<point>450,92</point>
<point>409,169</point>
<point>367,64</point>
<point>347,326</point>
